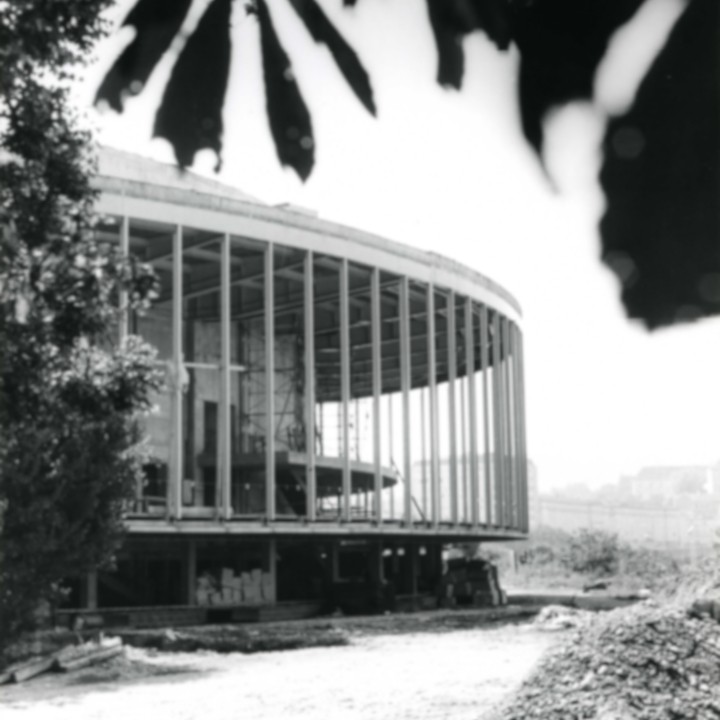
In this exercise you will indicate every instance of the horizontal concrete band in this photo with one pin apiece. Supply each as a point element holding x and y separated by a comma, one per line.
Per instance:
<point>222,215</point>
<point>197,528</point>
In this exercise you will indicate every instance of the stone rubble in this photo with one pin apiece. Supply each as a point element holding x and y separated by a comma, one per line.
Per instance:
<point>645,662</point>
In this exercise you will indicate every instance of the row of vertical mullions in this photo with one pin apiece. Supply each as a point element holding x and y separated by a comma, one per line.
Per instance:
<point>505,495</point>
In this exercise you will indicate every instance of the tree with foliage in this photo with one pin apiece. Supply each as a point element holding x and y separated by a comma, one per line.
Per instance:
<point>661,170</point>
<point>70,395</point>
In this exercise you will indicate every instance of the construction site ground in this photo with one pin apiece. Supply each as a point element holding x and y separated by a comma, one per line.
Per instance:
<point>454,663</point>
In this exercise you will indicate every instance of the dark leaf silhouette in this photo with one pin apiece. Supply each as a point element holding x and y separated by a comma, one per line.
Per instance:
<point>561,44</point>
<point>451,60</point>
<point>451,20</point>
<point>190,115</point>
<point>661,231</point>
<point>156,23</point>
<point>288,115</point>
<point>323,31</point>
<point>662,159</point>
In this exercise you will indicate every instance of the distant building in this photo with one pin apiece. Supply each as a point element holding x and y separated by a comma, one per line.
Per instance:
<point>661,505</point>
<point>668,482</point>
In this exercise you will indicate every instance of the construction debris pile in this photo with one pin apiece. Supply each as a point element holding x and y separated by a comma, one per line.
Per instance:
<point>561,617</point>
<point>645,662</point>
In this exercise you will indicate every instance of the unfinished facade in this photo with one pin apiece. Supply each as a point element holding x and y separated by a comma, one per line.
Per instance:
<point>337,407</point>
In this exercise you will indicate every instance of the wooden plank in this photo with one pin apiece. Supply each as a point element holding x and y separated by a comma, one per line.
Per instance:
<point>92,657</point>
<point>31,668</point>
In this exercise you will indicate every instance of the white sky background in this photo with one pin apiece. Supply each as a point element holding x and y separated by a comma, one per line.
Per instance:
<point>450,172</point>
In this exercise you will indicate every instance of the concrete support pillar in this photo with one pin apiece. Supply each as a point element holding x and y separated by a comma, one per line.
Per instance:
<point>335,560</point>
<point>191,572</point>
<point>412,551</point>
<point>375,556</point>
<point>272,571</point>
<point>90,599</point>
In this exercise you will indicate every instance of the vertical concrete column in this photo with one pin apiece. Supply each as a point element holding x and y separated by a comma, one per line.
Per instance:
<point>513,429</point>
<point>424,464</point>
<point>413,550</point>
<point>174,486</point>
<point>510,425</point>
<point>452,427</point>
<point>270,382</point>
<point>91,590</point>
<point>272,570</point>
<point>517,411</point>
<point>375,556</point>
<point>522,434</point>
<point>191,571</point>
<point>498,422</point>
<point>309,313</point>
<point>345,387</point>
<point>335,559</point>
<point>376,339</point>
<point>485,361</point>
<point>507,426</point>
<point>432,391</point>
<point>405,369</point>
<point>224,476</point>
<point>472,410</point>
<point>464,449</point>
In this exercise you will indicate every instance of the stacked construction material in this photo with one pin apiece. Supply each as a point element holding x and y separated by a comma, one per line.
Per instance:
<point>228,588</point>
<point>470,582</point>
<point>69,658</point>
<point>645,662</point>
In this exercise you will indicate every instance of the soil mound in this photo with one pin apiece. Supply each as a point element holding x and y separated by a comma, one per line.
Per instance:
<point>645,662</point>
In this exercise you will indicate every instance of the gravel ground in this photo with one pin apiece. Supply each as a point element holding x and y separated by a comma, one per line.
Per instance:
<point>459,675</point>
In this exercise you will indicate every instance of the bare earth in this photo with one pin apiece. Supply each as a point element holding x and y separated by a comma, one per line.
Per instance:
<point>460,675</point>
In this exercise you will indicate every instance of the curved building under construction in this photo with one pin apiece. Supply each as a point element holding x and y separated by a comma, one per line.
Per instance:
<point>337,407</point>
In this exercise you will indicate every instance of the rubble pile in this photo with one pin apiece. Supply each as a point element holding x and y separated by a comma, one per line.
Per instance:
<point>645,662</point>
<point>561,617</point>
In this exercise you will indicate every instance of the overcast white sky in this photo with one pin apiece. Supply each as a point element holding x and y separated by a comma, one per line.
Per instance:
<point>449,172</point>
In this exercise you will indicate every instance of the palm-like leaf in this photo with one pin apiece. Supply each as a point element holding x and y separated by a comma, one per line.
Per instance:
<point>190,115</point>
<point>288,115</point>
<point>156,23</point>
<point>661,176</point>
<point>323,31</point>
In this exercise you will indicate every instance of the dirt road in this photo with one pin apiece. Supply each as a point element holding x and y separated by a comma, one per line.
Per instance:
<point>459,675</point>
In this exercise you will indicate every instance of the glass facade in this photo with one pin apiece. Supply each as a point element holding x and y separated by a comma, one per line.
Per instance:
<point>305,387</point>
